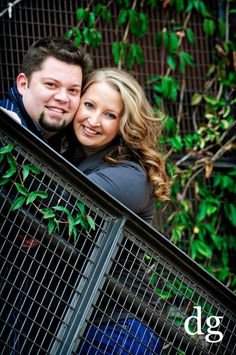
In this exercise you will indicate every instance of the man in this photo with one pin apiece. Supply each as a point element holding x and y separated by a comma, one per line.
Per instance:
<point>47,91</point>
<point>44,100</point>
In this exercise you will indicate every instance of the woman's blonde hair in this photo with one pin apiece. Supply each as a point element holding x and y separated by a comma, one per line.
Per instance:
<point>139,128</point>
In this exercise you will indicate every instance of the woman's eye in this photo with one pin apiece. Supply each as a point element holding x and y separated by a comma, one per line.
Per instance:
<point>88,105</point>
<point>110,115</point>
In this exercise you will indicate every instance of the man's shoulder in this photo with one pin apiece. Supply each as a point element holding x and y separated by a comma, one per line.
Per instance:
<point>12,114</point>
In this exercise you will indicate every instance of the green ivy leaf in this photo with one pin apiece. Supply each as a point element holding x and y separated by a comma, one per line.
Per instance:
<point>189,7</point>
<point>9,173</point>
<point>230,211</point>
<point>176,142</point>
<point>190,35</point>
<point>27,168</point>
<point>91,19</point>
<point>4,181</point>
<point>222,27</point>
<point>163,294</point>
<point>165,38</point>
<point>91,222</point>
<point>7,148</point>
<point>81,14</point>
<point>203,9</point>
<point>33,195</point>
<point>61,209</point>
<point>135,53</point>
<point>81,207</point>
<point>144,23</point>
<point>210,210</point>
<point>52,225</point>
<point>71,222</point>
<point>47,213</point>
<point>203,248</point>
<point>116,51</point>
<point>173,43</point>
<point>18,203</point>
<point>98,8</point>
<point>171,62</point>
<point>68,34</point>
<point>171,126</point>
<point>196,99</point>
<point>193,250</point>
<point>83,223</point>
<point>176,235</point>
<point>158,100</point>
<point>224,273</point>
<point>202,211</point>
<point>179,4</point>
<point>77,40</point>
<point>139,54</point>
<point>21,189</point>
<point>211,100</point>
<point>106,15</point>
<point>75,234</point>
<point>11,161</point>
<point>122,18</point>
<point>209,27</point>
<point>185,58</point>
<point>225,257</point>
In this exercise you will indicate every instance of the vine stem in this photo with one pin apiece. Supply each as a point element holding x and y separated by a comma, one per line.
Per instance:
<point>223,149</point>
<point>190,180</point>
<point>126,33</point>
<point>201,166</point>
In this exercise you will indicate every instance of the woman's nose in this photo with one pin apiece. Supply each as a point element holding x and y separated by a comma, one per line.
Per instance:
<point>94,119</point>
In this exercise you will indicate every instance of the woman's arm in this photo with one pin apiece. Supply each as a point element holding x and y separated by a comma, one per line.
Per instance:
<point>127,182</point>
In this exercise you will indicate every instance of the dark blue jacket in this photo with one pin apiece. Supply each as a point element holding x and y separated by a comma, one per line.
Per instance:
<point>14,103</point>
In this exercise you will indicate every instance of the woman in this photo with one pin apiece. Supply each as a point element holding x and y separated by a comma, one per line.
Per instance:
<point>117,130</point>
<point>117,133</point>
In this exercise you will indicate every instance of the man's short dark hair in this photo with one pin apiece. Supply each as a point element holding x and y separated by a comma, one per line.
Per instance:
<point>59,48</point>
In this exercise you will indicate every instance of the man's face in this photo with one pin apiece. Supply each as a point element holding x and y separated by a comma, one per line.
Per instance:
<point>52,95</point>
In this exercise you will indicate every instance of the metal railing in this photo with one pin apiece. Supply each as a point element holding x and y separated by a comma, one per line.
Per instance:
<point>59,284</point>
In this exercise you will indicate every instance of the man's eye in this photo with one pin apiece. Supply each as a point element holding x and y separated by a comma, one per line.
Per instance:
<point>51,85</point>
<point>74,91</point>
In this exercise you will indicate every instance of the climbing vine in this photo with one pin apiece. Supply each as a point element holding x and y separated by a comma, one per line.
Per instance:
<point>14,177</point>
<point>202,217</point>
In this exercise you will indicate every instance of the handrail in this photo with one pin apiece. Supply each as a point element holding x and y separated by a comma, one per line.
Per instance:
<point>175,256</point>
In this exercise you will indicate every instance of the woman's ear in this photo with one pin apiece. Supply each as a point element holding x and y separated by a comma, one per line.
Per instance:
<point>21,83</point>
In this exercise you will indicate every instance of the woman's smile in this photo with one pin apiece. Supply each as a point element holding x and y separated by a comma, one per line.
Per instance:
<point>97,121</point>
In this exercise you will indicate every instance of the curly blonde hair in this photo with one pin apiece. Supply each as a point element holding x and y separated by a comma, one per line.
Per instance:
<point>139,128</point>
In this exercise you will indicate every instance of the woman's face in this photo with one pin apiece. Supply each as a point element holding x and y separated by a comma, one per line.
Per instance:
<point>97,121</point>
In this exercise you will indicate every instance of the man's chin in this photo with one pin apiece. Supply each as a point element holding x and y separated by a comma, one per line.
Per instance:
<point>49,127</point>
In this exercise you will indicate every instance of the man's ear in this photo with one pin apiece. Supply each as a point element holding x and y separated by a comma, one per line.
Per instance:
<point>21,83</point>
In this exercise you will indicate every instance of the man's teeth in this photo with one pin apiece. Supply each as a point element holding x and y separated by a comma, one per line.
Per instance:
<point>56,109</point>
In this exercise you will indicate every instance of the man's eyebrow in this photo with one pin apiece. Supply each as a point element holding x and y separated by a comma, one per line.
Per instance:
<point>58,81</point>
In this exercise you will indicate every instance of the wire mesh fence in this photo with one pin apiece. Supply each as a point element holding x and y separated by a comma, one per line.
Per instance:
<point>60,288</point>
<point>31,20</point>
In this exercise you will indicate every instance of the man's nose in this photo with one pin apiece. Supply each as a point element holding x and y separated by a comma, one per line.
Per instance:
<point>61,95</point>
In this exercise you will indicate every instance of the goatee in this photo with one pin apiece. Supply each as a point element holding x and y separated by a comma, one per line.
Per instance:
<point>50,127</point>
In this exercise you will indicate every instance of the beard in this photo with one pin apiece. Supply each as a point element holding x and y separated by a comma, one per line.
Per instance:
<point>50,127</point>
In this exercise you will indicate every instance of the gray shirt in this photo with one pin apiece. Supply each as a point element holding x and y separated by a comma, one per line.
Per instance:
<point>126,181</point>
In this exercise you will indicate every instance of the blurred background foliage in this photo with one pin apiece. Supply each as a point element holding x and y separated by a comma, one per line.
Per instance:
<point>201,217</point>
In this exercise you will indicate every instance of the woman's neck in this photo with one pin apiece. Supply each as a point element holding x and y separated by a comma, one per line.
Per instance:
<point>90,151</point>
